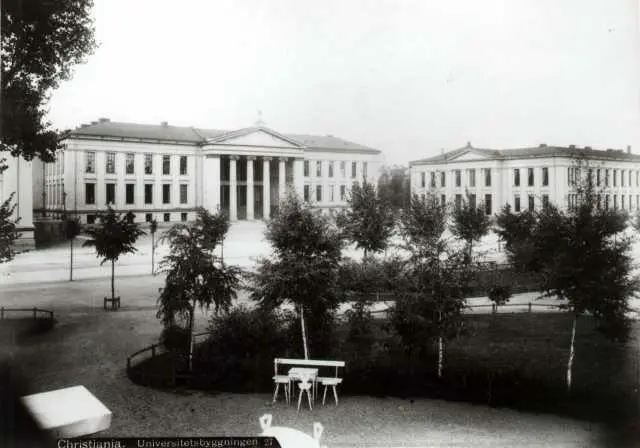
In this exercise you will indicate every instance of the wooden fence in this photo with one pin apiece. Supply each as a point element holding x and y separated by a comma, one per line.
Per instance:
<point>35,312</point>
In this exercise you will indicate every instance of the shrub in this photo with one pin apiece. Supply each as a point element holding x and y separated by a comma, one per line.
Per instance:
<point>499,294</point>
<point>175,338</point>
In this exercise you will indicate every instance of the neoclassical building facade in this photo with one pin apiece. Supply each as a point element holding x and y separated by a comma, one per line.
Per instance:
<point>164,172</point>
<point>529,178</point>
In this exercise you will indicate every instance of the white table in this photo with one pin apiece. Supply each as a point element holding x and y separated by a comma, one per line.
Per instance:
<point>296,373</point>
<point>69,412</point>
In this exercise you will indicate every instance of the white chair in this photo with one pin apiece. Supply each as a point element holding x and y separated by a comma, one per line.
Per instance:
<point>278,380</point>
<point>289,437</point>
<point>330,382</point>
<point>306,381</point>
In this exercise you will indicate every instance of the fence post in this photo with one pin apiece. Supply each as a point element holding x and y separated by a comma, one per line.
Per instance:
<point>529,306</point>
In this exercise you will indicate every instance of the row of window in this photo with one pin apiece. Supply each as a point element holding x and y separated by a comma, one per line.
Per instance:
<point>626,201</point>
<point>110,188</point>
<point>148,217</point>
<point>605,175</point>
<point>331,167</point>
<point>471,177</point>
<point>331,193</point>
<point>110,163</point>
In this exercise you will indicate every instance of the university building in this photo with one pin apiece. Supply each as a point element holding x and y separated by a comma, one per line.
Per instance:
<point>528,178</point>
<point>164,172</point>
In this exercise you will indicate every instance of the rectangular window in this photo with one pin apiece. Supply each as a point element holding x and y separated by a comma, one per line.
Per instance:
<point>111,163</point>
<point>516,203</point>
<point>306,168</point>
<point>183,193</point>
<point>343,192</point>
<point>458,201</point>
<point>90,162</point>
<point>545,176</point>
<point>487,177</point>
<point>183,217</point>
<point>516,177</point>
<point>472,201</point>
<point>423,179</point>
<point>569,175</point>
<point>487,204</point>
<point>615,178</point>
<point>443,199</point>
<point>343,169</point>
<point>615,201</point>
<point>330,169</point>
<point>167,217</point>
<point>166,165</point>
<point>148,193</point>
<point>332,193</point>
<point>606,177</point>
<point>318,168</point>
<point>353,170</point>
<point>622,201</point>
<point>472,177</point>
<point>306,193</point>
<point>545,201</point>
<point>90,193</point>
<point>129,193</point>
<point>148,164</point>
<point>364,169</point>
<point>622,175</point>
<point>130,163</point>
<point>598,179</point>
<point>111,193</point>
<point>91,219</point>
<point>532,203</point>
<point>458,175</point>
<point>148,217</point>
<point>443,179</point>
<point>166,193</point>
<point>606,202</point>
<point>433,179</point>
<point>183,165</point>
<point>319,193</point>
<point>530,177</point>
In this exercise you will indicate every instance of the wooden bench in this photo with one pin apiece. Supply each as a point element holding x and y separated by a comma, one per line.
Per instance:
<point>326,381</point>
<point>115,302</point>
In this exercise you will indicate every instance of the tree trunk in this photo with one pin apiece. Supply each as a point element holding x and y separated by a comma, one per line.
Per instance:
<point>440,356</point>
<point>191,325</point>
<point>470,250</point>
<point>572,352</point>
<point>113,274</point>
<point>304,334</point>
<point>71,262</point>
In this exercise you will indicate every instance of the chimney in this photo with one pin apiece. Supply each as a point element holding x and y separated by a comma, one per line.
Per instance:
<point>165,124</point>
<point>104,120</point>
<point>628,149</point>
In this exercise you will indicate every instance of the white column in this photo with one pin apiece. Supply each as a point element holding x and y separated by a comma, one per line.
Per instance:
<point>250,204</point>
<point>210,183</point>
<point>233,189</point>
<point>298,177</point>
<point>266,189</point>
<point>282,188</point>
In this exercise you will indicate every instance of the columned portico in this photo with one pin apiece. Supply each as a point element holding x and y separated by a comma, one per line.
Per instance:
<point>266,188</point>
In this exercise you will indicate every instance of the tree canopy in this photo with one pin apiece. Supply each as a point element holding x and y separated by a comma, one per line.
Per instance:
<point>41,42</point>
<point>8,230</point>
<point>469,223</point>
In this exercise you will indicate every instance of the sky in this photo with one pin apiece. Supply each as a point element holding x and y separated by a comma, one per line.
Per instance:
<point>408,77</point>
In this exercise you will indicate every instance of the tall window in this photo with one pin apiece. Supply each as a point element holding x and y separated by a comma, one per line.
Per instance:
<point>166,164</point>
<point>318,168</point>
<point>487,177</point>
<point>472,177</point>
<point>433,179</point>
<point>487,204</point>
<point>545,201</point>
<point>516,177</point>
<point>90,162</point>
<point>183,217</point>
<point>458,201</point>
<point>89,193</point>
<point>353,170</point>
<point>306,193</point>
<point>111,163</point>
<point>615,201</point>
<point>472,201</point>
<point>111,193</point>
<point>183,165</point>
<point>606,202</point>
<point>148,193</point>
<point>129,193</point>
<point>443,182</point>
<point>183,193</point>
<point>598,179</point>
<point>343,192</point>
<point>306,168</point>
<point>606,178</point>
<point>615,180</point>
<point>622,174</point>
<point>364,169</point>
<point>458,175</point>
<point>166,217</point>
<point>532,203</point>
<point>443,199</point>
<point>166,193</point>
<point>530,177</point>
<point>622,201</point>
<point>319,193</point>
<point>423,179</point>
<point>332,193</point>
<point>343,169</point>
<point>516,203</point>
<point>148,164</point>
<point>330,169</point>
<point>148,217</point>
<point>545,176</point>
<point>130,163</point>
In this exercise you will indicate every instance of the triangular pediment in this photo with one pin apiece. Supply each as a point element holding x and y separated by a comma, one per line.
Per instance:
<point>470,154</point>
<point>261,137</point>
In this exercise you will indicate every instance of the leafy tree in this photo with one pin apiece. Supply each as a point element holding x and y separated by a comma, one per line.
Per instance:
<point>636,220</point>
<point>153,228</point>
<point>115,236</point>
<point>469,223</point>
<point>303,269</point>
<point>41,42</point>
<point>72,230</point>
<point>8,230</point>
<point>516,230</point>
<point>394,187</point>
<point>195,275</point>
<point>440,276</point>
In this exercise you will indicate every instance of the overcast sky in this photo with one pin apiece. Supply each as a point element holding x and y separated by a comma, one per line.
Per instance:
<point>407,77</point>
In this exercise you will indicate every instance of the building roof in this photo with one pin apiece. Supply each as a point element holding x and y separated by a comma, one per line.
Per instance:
<point>532,152</point>
<point>166,133</point>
